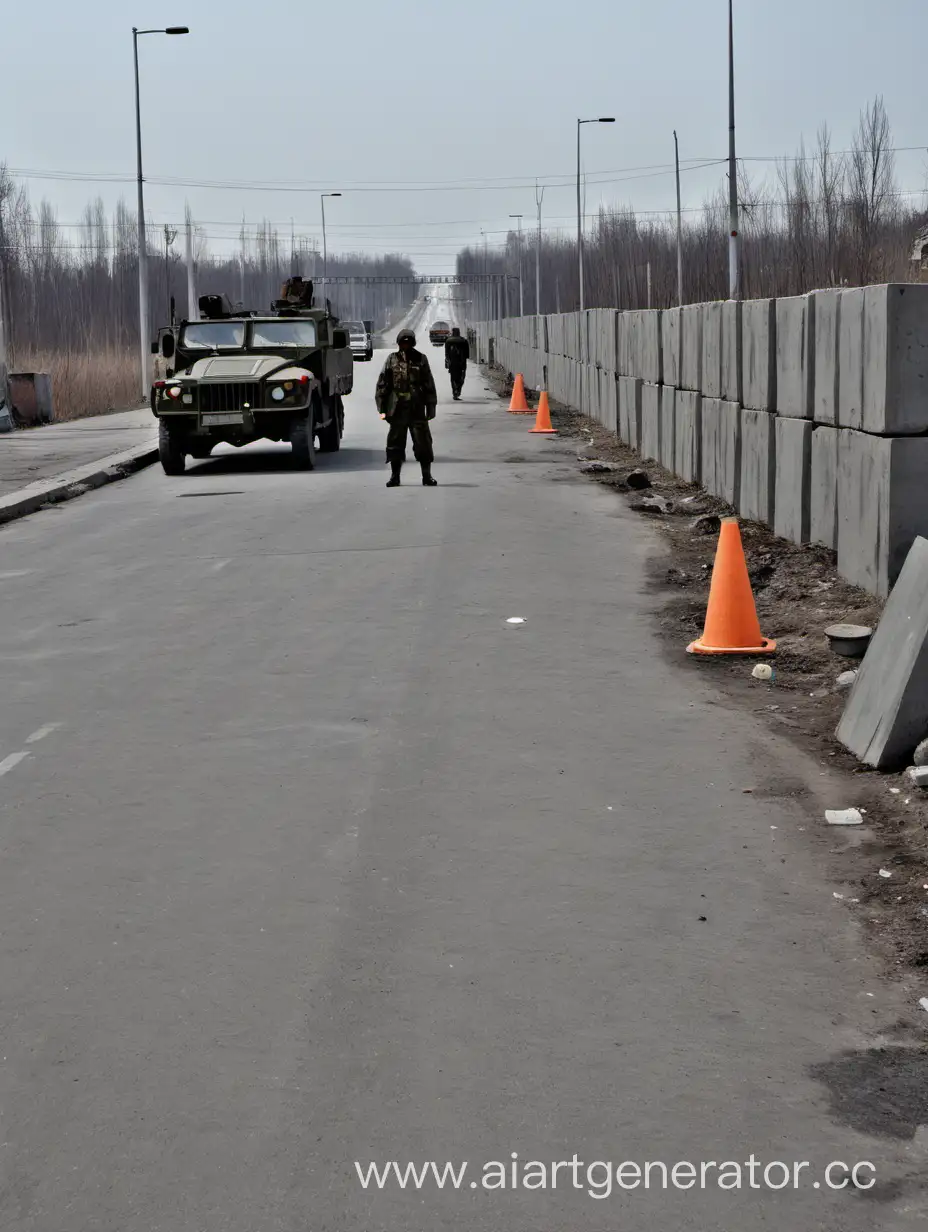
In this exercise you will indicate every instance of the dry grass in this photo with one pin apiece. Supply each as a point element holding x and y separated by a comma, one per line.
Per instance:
<point>86,383</point>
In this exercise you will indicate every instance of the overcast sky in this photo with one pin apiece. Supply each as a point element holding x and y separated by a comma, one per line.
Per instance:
<point>435,118</point>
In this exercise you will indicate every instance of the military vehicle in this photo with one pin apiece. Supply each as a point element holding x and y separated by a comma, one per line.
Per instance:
<point>239,376</point>
<point>439,333</point>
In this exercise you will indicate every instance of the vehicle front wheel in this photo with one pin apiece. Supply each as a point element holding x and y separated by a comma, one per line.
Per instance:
<point>301,442</point>
<point>171,448</point>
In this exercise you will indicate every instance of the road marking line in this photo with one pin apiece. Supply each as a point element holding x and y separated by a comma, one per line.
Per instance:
<point>42,732</point>
<point>9,762</point>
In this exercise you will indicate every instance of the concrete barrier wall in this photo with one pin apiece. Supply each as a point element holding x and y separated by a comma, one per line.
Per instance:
<point>808,413</point>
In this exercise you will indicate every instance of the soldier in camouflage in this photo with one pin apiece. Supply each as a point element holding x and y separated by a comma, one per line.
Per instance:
<point>406,398</point>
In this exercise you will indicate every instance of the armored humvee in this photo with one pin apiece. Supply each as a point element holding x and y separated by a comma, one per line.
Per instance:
<point>238,376</point>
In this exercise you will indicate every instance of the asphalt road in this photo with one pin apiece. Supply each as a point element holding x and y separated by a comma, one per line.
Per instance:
<point>308,857</point>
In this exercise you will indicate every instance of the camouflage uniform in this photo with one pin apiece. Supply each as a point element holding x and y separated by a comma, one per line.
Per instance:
<point>406,397</point>
<point>457,353</point>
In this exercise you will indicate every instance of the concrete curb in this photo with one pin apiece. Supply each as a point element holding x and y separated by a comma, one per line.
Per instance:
<point>76,482</point>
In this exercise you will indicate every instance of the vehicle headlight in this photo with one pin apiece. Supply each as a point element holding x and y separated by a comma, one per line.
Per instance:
<point>278,393</point>
<point>174,391</point>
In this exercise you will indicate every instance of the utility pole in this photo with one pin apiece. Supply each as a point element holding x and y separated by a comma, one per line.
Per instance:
<point>169,238</point>
<point>539,195</point>
<point>601,120</point>
<point>192,307</point>
<point>676,152</point>
<point>734,239</point>
<point>242,267</point>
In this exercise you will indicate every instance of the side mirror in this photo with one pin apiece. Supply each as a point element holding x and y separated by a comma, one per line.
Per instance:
<point>167,345</point>
<point>339,339</point>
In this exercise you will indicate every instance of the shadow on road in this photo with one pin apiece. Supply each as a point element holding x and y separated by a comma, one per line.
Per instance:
<point>279,461</point>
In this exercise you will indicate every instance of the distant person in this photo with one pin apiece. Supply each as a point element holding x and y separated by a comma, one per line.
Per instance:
<point>406,398</point>
<point>457,353</point>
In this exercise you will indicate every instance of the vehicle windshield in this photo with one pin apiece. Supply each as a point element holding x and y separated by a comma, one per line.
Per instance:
<point>284,333</point>
<point>214,335</point>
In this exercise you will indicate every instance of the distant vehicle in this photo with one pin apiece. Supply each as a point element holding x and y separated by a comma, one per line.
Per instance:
<point>238,377</point>
<point>359,339</point>
<point>439,333</point>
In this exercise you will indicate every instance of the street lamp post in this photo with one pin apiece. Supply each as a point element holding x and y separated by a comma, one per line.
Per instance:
<point>539,194</point>
<point>325,251</point>
<point>144,341</point>
<point>734,239</point>
<point>521,297</point>
<point>600,120</point>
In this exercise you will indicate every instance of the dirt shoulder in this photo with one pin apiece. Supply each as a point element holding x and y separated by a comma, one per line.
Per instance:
<point>798,594</point>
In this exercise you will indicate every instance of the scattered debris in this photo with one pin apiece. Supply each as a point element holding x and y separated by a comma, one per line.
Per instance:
<point>923,1002</point>
<point>917,776</point>
<point>763,671</point>
<point>920,756</point>
<point>515,620</point>
<point>884,872</point>
<point>653,504</point>
<point>844,817</point>
<point>845,680</point>
<point>848,640</point>
<point>598,467</point>
<point>638,479</point>
<point>835,894</point>
<point>707,524</point>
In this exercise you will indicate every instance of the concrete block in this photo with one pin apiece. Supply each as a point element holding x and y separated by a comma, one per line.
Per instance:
<point>667,434</point>
<point>881,505</point>
<point>650,446</point>
<point>895,359</point>
<point>795,356</point>
<point>608,339</point>
<point>691,317</point>
<point>758,354</point>
<point>827,317</point>
<point>31,394</point>
<point>630,410</point>
<point>712,350</point>
<point>851,359</point>
<point>622,355</point>
<point>823,489</point>
<point>6,418</point>
<point>609,400</point>
<point>887,712</point>
<point>649,345</point>
<point>758,466</point>
<point>731,350</point>
<point>721,449</point>
<point>672,346</point>
<point>688,436</point>
<point>793,486</point>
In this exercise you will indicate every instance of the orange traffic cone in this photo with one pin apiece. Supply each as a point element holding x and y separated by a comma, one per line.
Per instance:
<point>731,617</point>
<point>517,403</point>
<point>543,418</point>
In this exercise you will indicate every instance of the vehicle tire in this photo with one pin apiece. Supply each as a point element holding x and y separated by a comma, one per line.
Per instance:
<point>302,444</point>
<point>200,452</point>
<point>330,436</point>
<point>341,417</point>
<point>171,448</point>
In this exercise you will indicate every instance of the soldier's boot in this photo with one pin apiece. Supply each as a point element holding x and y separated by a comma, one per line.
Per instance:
<point>394,480</point>
<point>427,480</point>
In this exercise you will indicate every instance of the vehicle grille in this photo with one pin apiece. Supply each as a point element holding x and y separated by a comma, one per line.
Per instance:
<point>231,397</point>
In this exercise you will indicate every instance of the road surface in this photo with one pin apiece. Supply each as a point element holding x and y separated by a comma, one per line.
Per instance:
<point>308,858</point>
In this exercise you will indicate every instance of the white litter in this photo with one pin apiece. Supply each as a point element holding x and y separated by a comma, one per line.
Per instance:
<point>896,791</point>
<point>885,872</point>
<point>515,620</point>
<point>844,817</point>
<point>835,894</point>
<point>762,671</point>
<point>923,1002</point>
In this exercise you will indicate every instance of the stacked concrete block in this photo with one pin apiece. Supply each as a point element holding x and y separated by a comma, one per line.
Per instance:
<point>671,346</point>
<point>732,350</point>
<point>691,323</point>
<point>608,399</point>
<point>851,359</point>
<point>758,466</point>
<point>795,356</point>
<point>688,435</point>
<point>793,490</point>
<point>666,455</point>
<point>823,487</point>
<point>721,449</point>
<point>881,505</point>
<point>650,439</point>
<point>589,392</point>
<point>758,354</point>
<point>827,318</point>
<point>895,376</point>
<point>649,345</point>
<point>630,410</point>
<point>608,339</point>
<point>712,350</point>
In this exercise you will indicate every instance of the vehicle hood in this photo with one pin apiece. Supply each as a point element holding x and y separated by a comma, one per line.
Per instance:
<point>235,367</point>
